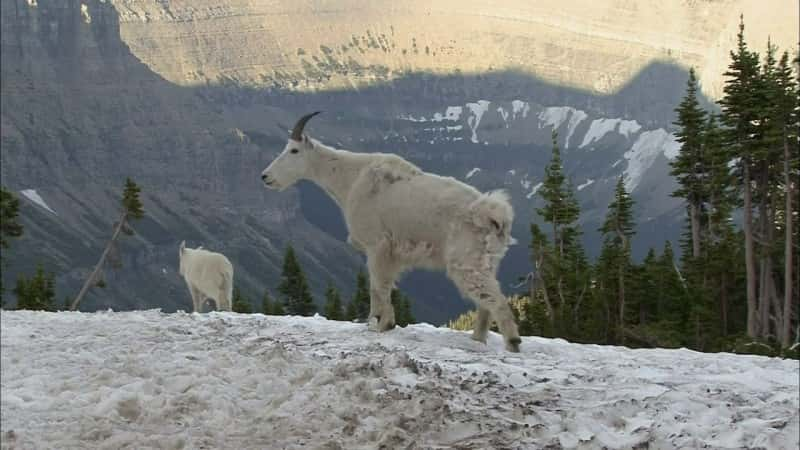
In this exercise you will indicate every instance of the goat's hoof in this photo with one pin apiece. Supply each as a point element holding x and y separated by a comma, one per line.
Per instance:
<point>512,344</point>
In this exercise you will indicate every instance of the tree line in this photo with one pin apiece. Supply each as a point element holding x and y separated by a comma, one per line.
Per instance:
<point>295,297</point>
<point>734,286</point>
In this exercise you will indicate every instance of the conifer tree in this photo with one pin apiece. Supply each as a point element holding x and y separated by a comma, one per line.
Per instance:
<point>36,293</point>
<point>741,116</point>
<point>294,287</point>
<point>690,166</point>
<point>360,305</point>
<point>131,210</point>
<point>10,227</point>
<point>617,230</point>
<point>240,303</point>
<point>267,307</point>
<point>560,270</point>
<point>402,308</point>
<point>333,303</point>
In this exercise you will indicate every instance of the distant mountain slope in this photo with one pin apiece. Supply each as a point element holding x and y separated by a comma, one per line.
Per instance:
<point>194,98</point>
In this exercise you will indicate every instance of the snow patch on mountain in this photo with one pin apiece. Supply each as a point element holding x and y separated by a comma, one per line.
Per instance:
<point>520,108</point>
<point>554,116</point>
<point>574,120</point>
<point>535,190</point>
<point>588,183</point>
<point>478,109</point>
<point>145,379</point>
<point>644,152</point>
<point>34,196</point>
<point>601,127</point>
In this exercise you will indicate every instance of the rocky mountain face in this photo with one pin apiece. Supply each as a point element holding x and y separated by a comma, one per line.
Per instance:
<point>193,98</point>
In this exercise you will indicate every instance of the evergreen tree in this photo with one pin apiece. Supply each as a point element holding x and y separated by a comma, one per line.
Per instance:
<point>131,210</point>
<point>359,307</point>
<point>617,230</point>
<point>9,226</point>
<point>36,293</point>
<point>333,303</point>
<point>402,308</point>
<point>741,115</point>
<point>294,287</point>
<point>267,307</point>
<point>240,304</point>
<point>278,309</point>
<point>690,166</point>
<point>560,278</point>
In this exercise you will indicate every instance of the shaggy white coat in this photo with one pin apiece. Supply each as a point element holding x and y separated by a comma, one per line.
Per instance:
<point>402,218</point>
<point>208,275</point>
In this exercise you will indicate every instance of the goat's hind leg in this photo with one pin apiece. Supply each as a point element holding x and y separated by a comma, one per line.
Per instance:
<point>484,290</point>
<point>481,325</point>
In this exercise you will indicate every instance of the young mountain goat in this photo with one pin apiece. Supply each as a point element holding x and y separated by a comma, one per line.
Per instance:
<point>403,218</point>
<point>208,275</point>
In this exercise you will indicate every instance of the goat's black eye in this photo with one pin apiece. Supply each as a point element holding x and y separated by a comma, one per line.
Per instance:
<point>294,150</point>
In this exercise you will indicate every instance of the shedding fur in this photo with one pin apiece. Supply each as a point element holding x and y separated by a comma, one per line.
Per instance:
<point>208,275</point>
<point>402,218</point>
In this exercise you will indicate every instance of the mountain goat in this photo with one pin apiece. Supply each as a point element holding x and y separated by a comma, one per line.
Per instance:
<point>403,218</point>
<point>208,275</point>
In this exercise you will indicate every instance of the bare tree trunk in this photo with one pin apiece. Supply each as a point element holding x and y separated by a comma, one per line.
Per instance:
<point>537,279</point>
<point>749,256</point>
<point>786,326</point>
<point>694,215</point>
<point>93,277</point>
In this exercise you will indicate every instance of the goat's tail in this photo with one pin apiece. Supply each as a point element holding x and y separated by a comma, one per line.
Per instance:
<point>492,211</point>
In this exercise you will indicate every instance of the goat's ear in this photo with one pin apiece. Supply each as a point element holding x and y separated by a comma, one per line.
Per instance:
<point>183,246</point>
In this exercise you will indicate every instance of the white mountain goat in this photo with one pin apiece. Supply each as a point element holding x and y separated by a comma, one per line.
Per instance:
<point>208,275</point>
<point>403,218</point>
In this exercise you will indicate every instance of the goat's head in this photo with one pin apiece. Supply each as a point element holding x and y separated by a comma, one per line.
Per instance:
<point>293,163</point>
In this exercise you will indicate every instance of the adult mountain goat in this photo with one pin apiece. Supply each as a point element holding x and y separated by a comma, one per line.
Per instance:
<point>208,275</point>
<point>403,218</point>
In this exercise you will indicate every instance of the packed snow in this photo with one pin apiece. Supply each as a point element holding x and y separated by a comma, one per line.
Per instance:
<point>644,152</point>
<point>34,196</point>
<point>223,380</point>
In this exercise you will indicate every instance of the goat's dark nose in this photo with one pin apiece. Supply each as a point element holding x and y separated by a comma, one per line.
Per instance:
<point>264,177</point>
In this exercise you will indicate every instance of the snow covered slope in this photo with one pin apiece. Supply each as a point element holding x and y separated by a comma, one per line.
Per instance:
<point>224,380</point>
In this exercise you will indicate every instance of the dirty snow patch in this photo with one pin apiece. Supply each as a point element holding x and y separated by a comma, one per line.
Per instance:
<point>34,196</point>
<point>146,379</point>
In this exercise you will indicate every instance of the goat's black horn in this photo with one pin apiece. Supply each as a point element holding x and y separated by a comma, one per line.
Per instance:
<point>297,132</point>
